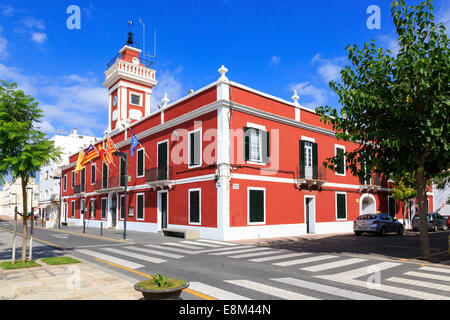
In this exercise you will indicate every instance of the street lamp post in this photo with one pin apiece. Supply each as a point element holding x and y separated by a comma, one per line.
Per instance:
<point>124,156</point>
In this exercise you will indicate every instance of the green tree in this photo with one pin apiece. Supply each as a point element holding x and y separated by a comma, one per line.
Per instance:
<point>404,190</point>
<point>397,108</point>
<point>23,148</point>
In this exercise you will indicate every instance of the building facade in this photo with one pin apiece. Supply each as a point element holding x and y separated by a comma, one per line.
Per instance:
<point>49,181</point>
<point>227,160</point>
<point>11,195</point>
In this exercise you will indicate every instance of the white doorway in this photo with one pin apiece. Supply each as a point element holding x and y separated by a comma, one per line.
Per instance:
<point>112,209</point>
<point>163,209</point>
<point>310,214</point>
<point>367,204</point>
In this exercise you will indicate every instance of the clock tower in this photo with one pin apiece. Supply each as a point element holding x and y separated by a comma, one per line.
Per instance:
<point>129,80</point>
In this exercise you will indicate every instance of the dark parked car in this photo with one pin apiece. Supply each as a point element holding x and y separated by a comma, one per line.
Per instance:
<point>435,222</point>
<point>379,223</point>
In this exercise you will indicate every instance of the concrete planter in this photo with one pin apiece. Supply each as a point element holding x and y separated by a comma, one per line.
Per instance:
<point>162,294</point>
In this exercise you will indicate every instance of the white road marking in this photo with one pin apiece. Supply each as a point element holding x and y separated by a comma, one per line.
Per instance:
<point>333,265</point>
<point>216,292</point>
<point>182,245</point>
<point>160,253</point>
<point>356,273</point>
<point>218,242</point>
<point>135,255</point>
<point>281,256</point>
<point>427,275</point>
<point>328,289</point>
<point>224,249</point>
<point>200,244</point>
<point>304,260</point>
<point>124,263</point>
<point>255,254</point>
<point>170,249</point>
<point>430,285</point>
<point>239,251</point>
<point>436,269</point>
<point>273,291</point>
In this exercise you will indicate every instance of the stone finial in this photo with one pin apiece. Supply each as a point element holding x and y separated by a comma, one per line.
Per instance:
<point>295,97</point>
<point>222,72</point>
<point>165,100</point>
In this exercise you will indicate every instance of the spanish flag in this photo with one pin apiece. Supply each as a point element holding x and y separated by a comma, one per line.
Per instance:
<point>80,162</point>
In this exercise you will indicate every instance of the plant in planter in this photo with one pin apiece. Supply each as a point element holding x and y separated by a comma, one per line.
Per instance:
<point>161,288</point>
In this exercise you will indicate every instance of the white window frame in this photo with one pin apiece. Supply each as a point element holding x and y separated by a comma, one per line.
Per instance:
<point>167,158</point>
<point>143,206</point>
<point>259,128</point>
<point>338,146</point>
<point>82,207</point>
<point>120,207</point>
<point>199,206</point>
<point>72,209</point>
<point>336,206</point>
<point>189,149</point>
<point>106,209</point>
<point>95,173</point>
<point>143,162</point>
<point>65,183</point>
<point>136,94</point>
<point>248,205</point>
<point>395,206</point>
<point>74,177</point>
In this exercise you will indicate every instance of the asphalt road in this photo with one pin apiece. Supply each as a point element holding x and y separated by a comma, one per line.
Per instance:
<point>338,267</point>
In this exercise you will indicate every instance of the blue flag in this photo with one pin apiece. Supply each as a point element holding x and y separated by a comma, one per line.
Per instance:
<point>134,142</point>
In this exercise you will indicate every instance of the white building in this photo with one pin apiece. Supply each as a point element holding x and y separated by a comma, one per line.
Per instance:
<point>440,199</point>
<point>11,196</point>
<point>49,183</point>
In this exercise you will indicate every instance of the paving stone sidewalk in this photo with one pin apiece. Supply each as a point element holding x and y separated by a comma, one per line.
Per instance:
<point>81,281</point>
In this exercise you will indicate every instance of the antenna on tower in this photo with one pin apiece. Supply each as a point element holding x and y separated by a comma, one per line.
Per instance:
<point>143,41</point>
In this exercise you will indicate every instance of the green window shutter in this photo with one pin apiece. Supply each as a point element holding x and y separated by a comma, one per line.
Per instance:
<point>246,143</point>
<point>140,206</point>
<point>122,172</point>
<point>315,161</point>
<point>256,206</point>
<point>301,157</point>
<point>103,208</point>
<point>265,146</point>
<point>341,206</point>
<point>105,176</point>
<point>122,207</point>
<point>194,206</point>
<point>340,167</point>
<point>140,162</point>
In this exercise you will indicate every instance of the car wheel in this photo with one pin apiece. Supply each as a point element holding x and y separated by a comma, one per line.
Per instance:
<point>400,230</point>
<point>358,233</point>
<point>382,232</point>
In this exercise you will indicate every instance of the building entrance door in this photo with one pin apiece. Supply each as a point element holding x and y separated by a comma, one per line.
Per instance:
<point>310,215</point>
<point>163,209</point>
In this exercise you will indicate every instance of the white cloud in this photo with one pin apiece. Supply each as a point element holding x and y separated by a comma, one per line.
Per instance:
<point>329,69</point>
<point>38,37</point>
<point>390,43</point>
<point>274,61</point>
<point>167,83</point>
<point>33,23</point>
<point>6,10</point>
<point>3,46</point>
<point>442,15</point>
<point>319,96</point>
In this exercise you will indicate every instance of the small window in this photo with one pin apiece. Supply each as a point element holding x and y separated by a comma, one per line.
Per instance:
<point>105,176</point>
<point>73,179</point>
<point>340,166</point>
<point>93,173</point>
<point>92,209</point>
<point>140,163</point>
<point>341,206</point>
<point>256,145</point>
<point>65,182</point>
<point>72,210</point>
<point>195,152</point>
<point>194,206</point>
<point>256,206</point>
<point>140,206</point>
<point>135,99</point>
<point>122,207</point>
<point>104,208</point>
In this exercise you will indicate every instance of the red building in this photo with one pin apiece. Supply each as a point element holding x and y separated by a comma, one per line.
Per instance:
<point>227,160</point>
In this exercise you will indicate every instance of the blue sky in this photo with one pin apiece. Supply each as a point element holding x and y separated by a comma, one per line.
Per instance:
<point>270,46</point>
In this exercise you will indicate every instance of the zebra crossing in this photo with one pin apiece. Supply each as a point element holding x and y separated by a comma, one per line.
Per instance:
<point>320,275</point>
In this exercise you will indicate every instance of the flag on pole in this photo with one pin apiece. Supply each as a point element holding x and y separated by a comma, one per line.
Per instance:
<point>109,149</point>
<point>80,161</point>
<point>90,154</point>
<point>101,152</point>
<point>134,142</point>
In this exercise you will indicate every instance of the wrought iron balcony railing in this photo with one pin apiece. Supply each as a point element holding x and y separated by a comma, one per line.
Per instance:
<point>371,184</point>
<point>160,177</point>
<point>109,183</point>
<point>311,175</point>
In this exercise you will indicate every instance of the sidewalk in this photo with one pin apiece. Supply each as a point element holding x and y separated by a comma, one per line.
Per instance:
<point>81,281</point>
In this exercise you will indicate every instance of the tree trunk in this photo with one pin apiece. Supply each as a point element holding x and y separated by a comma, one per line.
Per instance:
<point>24,218</point>
<point>405,204</point>
<point>13,258</point>
<point>422,197</point>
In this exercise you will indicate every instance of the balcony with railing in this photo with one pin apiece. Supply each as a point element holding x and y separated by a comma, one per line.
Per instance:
<point>126,69</point>
<point>160,177</point>
<point>371,184</point>
<point>109,184</point>
<point>310,176</point>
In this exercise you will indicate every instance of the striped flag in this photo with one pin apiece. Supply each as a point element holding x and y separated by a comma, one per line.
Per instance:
<point>109,149</point>
<point>80,161</point>
<point>89,154</point>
